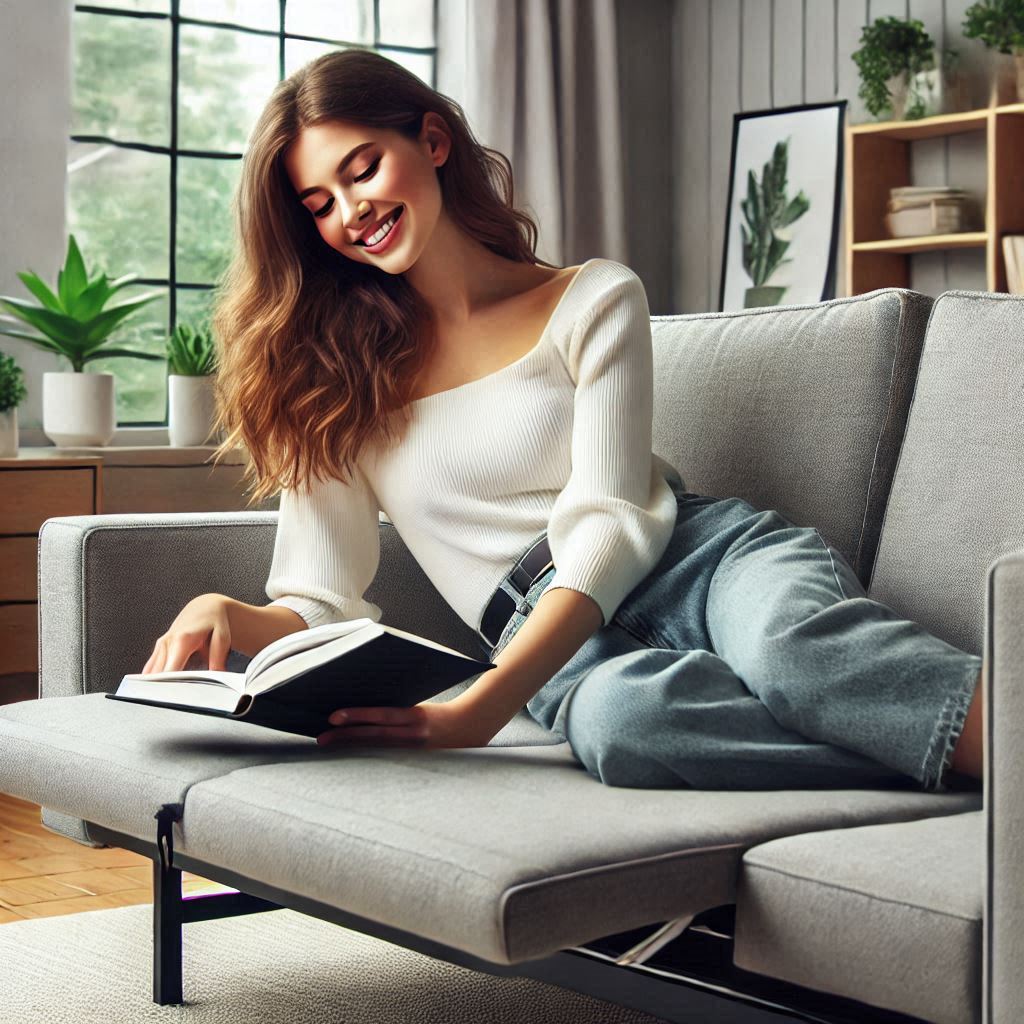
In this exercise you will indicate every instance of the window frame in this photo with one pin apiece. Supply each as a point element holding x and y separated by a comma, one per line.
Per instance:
<point>174,152</point>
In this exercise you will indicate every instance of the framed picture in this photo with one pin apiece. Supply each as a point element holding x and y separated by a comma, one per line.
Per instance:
<point>782,218</point>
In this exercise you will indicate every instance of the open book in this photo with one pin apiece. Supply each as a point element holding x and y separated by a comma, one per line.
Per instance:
<point>294,683</point>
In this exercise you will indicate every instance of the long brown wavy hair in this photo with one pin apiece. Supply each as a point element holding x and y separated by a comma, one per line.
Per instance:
<point>317,351</point>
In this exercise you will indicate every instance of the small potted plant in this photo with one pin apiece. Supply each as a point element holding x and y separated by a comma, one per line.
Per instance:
<point>12,391</point>
<point>999,24</point>
<point>893,53</point>
<point>74,322</point>
<point>191,366</point>
<point>767,211</point>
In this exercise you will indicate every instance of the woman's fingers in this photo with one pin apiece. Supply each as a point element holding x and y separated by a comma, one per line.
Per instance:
<point>377,716</point>
<point>378,735</point>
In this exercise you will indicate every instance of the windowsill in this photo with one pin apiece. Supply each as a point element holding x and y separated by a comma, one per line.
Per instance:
<point>124,437</point>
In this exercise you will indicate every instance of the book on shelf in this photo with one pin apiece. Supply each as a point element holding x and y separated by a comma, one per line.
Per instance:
<point>1013,256</point>
<point>917,210</point>
<point>294,683</point>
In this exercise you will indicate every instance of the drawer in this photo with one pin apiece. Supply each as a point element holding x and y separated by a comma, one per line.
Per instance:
<point>18,651</point>
<point>18,568</point>
<point>28,496</point>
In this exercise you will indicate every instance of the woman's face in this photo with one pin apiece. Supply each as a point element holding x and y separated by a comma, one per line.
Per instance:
<point>339,170</point>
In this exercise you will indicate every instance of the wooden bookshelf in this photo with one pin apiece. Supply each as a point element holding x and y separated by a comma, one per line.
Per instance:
<point>878,158</point>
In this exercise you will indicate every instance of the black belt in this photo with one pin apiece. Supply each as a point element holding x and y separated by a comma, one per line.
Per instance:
<point>527,571</point>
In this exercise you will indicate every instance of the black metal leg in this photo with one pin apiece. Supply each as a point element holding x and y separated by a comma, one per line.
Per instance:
<point>167,912</point>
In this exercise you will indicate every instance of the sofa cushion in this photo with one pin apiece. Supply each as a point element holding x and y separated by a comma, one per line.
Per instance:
<point>114,763</point>
<point>887,914</point>
<point>799,408</point>
<point>509,854</point>
<point>959,485</point>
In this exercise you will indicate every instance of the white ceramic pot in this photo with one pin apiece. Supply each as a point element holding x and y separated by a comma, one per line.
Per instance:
<point>9,433</point>
<point>191,409</point>
<point>78,408</point>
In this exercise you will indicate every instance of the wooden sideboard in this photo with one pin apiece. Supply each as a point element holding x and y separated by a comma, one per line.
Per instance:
<point>43,482</point>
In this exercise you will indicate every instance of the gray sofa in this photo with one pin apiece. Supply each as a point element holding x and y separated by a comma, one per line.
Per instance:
<point>890,422</point>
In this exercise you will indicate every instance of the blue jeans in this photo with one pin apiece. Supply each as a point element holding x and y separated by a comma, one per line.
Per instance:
<point>751,658</point>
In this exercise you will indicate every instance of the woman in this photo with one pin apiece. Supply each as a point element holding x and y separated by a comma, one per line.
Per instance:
<point>390,341</point>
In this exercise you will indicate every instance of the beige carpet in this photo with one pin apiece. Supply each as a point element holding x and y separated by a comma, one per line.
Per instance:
<point>280,967</point>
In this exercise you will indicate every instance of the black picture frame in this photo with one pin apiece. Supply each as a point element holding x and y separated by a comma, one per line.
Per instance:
<point>823,237</point>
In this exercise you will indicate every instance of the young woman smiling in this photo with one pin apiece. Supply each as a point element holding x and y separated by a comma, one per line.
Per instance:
<point>389,341</point>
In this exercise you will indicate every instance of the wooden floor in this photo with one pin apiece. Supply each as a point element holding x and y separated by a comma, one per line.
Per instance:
<point>43,874</point>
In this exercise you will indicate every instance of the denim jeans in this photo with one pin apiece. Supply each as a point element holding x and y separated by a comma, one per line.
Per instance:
<point>750,657</point>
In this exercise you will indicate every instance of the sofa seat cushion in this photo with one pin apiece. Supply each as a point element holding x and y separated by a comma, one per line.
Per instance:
<point>886,914</point>
<point>509,854</point>
<point>86,757</point>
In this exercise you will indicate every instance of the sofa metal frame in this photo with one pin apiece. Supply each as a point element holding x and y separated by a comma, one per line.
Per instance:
<point>676,993</point>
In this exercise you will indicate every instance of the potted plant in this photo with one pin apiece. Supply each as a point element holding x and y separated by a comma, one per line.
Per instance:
<point>191,366</point>
<point>12,391</point>
<point>892,54</point>
<point>73,322</point>
<point>766,211</point>
<point>999,24</point>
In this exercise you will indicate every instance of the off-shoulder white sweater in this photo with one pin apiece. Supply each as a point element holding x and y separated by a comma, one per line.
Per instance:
<point>558,440</point>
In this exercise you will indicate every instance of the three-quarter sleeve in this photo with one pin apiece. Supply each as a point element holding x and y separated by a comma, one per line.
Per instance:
<point>326,551</point>
<point>614,518</point>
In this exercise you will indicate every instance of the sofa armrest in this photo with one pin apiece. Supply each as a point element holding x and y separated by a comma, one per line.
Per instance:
<point>1003,945</point>
<point>109,585</point>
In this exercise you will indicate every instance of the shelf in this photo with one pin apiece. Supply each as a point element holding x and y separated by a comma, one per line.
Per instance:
<point>926,127</point>
<point>926,243</point>
<point>878,158</point>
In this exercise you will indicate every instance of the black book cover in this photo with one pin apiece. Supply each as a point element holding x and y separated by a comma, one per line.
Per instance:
<point>387,671</point>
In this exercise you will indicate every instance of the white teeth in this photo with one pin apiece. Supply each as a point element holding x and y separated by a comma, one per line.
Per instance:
<point>383,230</point>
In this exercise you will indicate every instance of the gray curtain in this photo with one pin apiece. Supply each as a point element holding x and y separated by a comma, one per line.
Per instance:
<point>539,82</point>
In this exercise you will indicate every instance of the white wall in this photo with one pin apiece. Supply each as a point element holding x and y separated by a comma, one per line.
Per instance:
<point>732,56</point>
<point>35,117</point>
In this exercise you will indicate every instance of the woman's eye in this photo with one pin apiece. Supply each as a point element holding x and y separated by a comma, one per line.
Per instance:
<point>326,208</point>
<point>369,170</point>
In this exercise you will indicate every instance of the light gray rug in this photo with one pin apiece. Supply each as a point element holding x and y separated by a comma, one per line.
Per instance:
<point>279,967</point>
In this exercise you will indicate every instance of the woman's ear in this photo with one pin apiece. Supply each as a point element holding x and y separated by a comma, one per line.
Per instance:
<point>435,132</point>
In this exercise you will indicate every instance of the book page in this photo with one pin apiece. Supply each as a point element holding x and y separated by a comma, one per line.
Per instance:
<point>302,640</point>
<point>423,640</point>
<point>194,693</point>
<point>233,680</point>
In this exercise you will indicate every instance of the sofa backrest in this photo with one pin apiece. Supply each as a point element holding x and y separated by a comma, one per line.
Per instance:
<point>958,492</point>
<point>799,408</point>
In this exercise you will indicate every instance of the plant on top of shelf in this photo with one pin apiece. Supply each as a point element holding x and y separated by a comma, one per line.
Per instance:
<point>766,210</point>
<point>999,24</point>
<point>191,351</point>
<point>893,51</point>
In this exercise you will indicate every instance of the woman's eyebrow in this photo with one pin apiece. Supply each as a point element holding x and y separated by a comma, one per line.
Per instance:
<point>340,169</point>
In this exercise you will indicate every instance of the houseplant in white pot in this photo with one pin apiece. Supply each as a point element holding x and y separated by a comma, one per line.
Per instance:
<point>73,321</point>
<point>999,24</point>
<point>12,391</point>
<point>191,379</point>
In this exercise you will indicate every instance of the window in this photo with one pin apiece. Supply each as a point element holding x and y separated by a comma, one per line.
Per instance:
<point>165,93</point>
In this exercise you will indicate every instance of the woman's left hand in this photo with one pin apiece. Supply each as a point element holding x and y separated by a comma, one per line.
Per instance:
<point>446,724</point>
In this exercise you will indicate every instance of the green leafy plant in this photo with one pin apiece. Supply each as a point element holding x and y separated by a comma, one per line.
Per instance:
<point>12,383</point>
<point>191,351</point>
<point>889,47</point>
<point>73,321</point>
<point>765,210</point>
<point>999,24</point>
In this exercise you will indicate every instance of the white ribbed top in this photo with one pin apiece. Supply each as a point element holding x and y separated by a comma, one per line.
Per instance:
<point>558,440</point>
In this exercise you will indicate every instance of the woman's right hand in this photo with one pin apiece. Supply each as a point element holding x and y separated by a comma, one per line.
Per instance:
<point>202,625</point>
